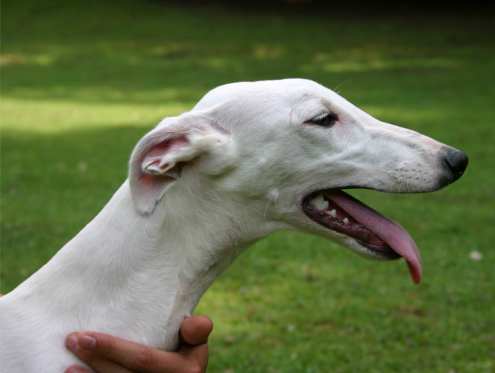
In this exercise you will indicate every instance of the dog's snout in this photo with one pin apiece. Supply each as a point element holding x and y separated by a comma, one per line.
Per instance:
<point>456,162</point>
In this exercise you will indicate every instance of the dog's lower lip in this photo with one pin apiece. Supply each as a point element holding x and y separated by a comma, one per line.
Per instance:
<point>383,238</point>
<point>343,223</point>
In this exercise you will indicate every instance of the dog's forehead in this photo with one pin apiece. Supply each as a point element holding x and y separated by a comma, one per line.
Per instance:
<point>265,93</point>
<point>270,102</point>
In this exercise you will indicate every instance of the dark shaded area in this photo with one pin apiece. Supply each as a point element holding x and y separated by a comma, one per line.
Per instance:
<point>157,61</point>
<point>370,7</point>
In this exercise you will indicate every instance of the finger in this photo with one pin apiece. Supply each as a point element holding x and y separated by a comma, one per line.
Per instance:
<point>82,347</point>
<point>194,333</point>
<point>195,330</point>
<point>99,347</point>
<point>198,355</point>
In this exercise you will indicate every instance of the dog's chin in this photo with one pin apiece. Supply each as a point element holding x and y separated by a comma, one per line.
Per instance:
<point>361,228</point>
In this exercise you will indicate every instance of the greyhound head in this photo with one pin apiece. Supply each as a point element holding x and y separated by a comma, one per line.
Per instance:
<point>292,146</point>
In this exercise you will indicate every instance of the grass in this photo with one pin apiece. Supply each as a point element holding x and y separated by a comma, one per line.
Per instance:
<point>82,81</point>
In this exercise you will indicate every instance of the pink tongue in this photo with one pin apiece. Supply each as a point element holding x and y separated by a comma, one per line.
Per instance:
<point>392,233</point>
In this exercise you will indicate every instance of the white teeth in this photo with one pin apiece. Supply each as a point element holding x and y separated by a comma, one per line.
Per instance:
<point>319,202</point>
<point>346,221</point>
<point>333,213</point>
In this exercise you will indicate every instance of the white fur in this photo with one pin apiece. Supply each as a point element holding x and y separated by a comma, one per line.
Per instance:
<point>248,159</point>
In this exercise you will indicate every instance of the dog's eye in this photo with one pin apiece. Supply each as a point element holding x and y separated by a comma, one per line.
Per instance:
<point>324,120</point>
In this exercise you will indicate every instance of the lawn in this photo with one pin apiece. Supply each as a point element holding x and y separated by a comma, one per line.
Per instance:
<point>82,81</point>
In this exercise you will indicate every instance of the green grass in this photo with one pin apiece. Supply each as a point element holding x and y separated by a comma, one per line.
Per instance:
<point>81,82</point>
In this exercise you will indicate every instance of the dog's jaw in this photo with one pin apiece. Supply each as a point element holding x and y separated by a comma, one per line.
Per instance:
<point>373,234</point>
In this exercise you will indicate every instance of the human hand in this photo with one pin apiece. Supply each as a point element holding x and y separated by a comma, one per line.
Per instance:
<point>107,354</point>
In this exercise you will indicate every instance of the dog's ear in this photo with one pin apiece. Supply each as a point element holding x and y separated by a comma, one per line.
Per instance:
<point>157,160</point>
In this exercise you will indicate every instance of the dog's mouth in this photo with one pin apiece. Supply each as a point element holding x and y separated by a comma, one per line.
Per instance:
<point>379,236</point>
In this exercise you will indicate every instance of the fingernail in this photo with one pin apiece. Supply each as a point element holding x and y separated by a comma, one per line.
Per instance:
<point>71,343</point>
<point>87,342</point>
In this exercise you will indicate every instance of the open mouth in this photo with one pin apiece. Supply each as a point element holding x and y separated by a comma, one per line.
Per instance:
<point>379,236</point>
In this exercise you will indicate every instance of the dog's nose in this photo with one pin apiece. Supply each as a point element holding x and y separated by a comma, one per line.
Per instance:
<point>456,161</point>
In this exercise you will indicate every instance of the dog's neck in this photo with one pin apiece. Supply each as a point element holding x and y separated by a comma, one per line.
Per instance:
<point>138,276</point>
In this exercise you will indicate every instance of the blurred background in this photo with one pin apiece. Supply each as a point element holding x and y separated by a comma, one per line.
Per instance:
<point>82,81</point>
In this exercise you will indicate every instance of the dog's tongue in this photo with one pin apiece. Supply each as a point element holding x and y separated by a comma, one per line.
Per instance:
<point>392,233</point>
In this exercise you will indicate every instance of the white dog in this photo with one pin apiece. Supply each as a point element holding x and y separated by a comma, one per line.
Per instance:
<point>249,159</point>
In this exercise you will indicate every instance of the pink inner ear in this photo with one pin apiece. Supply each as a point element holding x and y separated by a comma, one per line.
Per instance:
<point>158,151</point>
<point>164,147</point>
<point>148,189</point>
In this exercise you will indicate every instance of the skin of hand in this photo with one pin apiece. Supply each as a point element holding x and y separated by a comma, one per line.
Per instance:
<point>107,354</point>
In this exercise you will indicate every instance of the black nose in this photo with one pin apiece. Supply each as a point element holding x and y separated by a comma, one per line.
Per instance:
<point>456,161</point>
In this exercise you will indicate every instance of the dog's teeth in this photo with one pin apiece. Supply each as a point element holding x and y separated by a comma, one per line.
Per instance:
<point>346,221</point>
<point>333,213</point>
<point>319,202</point>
